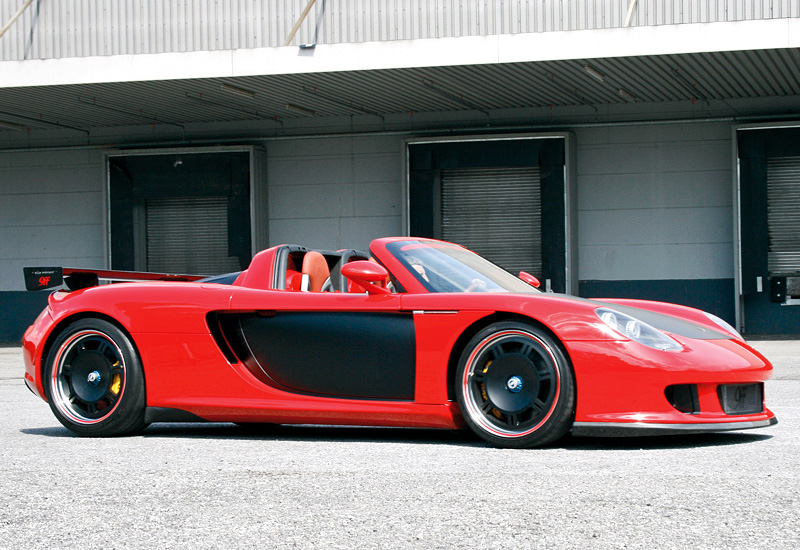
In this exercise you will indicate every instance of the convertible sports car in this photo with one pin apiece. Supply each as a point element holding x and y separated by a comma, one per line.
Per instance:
<point>417,333</point>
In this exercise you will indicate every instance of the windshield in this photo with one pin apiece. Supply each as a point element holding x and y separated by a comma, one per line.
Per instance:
<point>444,267</point>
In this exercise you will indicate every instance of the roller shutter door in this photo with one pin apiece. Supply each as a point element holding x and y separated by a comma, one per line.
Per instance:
<point>783,199</point>
<point>495,212</point>
<point>189,235</point>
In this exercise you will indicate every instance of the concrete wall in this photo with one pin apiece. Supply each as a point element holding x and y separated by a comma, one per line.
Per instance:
<point>52,211</point>
<point>655,214</point>
<point>335,192</point>
<point>655,202</point>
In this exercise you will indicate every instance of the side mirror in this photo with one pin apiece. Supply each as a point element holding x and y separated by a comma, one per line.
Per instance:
<point>530,279</point>
<point>367,274</point>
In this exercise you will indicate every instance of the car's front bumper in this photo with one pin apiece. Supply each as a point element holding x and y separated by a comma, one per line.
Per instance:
<point>624,389</point>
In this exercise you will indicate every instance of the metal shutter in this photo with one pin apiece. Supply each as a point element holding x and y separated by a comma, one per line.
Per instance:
<point>495,212</point>
<point>189,235</point>
<point>783,199</point>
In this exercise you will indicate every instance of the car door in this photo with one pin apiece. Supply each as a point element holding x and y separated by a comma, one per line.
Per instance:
<point>353,346</point>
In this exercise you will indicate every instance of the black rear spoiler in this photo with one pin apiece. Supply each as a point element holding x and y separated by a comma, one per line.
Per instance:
<point>40,278</point>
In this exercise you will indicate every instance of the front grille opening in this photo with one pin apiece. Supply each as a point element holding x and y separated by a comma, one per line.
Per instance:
<point>683,397</point>
<point>737,399</point>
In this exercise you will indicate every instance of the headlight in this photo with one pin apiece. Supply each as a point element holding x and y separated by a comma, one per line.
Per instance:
<point>724,325</point>
<point>637,330</point>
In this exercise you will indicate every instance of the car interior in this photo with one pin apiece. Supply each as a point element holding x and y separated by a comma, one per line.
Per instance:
<point>300,269</point>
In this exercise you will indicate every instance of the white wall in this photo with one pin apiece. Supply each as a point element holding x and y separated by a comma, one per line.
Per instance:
<point>655,202</point>
<point>51,212</point>
<point>335,193</point>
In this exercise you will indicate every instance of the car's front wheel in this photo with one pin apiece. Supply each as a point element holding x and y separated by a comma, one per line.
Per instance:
<point>93,380</point>
<point>515,386</point>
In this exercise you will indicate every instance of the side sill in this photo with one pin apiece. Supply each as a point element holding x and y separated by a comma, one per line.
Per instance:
<point>635,429</point>
<point>165,414</point>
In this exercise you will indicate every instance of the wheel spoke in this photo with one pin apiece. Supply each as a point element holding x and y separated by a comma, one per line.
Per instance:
<point>544,375</point>
<point>107,350</point>
<point>497,351</point>
<point>527,350</point>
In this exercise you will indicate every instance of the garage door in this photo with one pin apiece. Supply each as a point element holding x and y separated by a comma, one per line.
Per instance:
<point>783,199</point>
<point>189,235</point>
<point>495,212</point>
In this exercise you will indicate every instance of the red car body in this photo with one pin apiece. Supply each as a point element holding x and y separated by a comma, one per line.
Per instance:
<point>393,351</point>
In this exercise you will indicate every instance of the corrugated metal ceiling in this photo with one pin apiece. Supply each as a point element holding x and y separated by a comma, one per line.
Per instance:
<point>706,76</point>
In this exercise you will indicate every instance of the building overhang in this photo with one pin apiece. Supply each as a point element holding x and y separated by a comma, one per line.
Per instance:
<point>713,65</point>
<point>768,34</point>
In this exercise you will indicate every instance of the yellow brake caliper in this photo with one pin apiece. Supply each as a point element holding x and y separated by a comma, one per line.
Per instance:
<point>116,384</point>
<point>495,412</point>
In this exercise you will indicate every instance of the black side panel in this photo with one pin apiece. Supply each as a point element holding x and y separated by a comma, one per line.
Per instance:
<point>356,355</point>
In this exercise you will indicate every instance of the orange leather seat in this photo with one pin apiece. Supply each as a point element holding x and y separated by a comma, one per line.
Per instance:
<point>316,267</point>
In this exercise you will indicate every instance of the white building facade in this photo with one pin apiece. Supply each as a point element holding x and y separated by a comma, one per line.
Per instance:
<point>614,148</point>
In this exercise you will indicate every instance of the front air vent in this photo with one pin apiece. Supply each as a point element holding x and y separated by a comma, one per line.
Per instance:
<point>683,397</point>
<point>737,399</point>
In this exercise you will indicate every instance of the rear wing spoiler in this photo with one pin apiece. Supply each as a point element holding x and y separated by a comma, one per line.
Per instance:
<point>40,278</point>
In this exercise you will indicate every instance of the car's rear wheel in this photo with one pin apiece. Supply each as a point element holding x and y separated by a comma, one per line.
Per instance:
<point>93,380</point>
<point>515,386</point>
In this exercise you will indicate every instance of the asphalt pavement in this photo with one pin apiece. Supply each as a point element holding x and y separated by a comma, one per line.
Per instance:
<point>220,486</point>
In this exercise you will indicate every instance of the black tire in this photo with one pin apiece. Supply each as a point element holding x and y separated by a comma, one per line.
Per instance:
<point>515,386</point>
<point>93,380</point>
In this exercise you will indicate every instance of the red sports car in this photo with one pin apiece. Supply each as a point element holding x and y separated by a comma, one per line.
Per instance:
<point>416,332</point>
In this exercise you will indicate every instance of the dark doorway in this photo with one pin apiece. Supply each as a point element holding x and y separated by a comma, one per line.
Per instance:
<point>180,212</point>
<point>769,231</point>
<point>504,199</point>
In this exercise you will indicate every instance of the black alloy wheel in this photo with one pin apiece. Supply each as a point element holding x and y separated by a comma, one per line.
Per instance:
<point>515,386</point>
<point>93,380</point>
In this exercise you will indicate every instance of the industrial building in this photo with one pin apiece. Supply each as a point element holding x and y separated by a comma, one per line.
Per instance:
<point>613,148</point>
